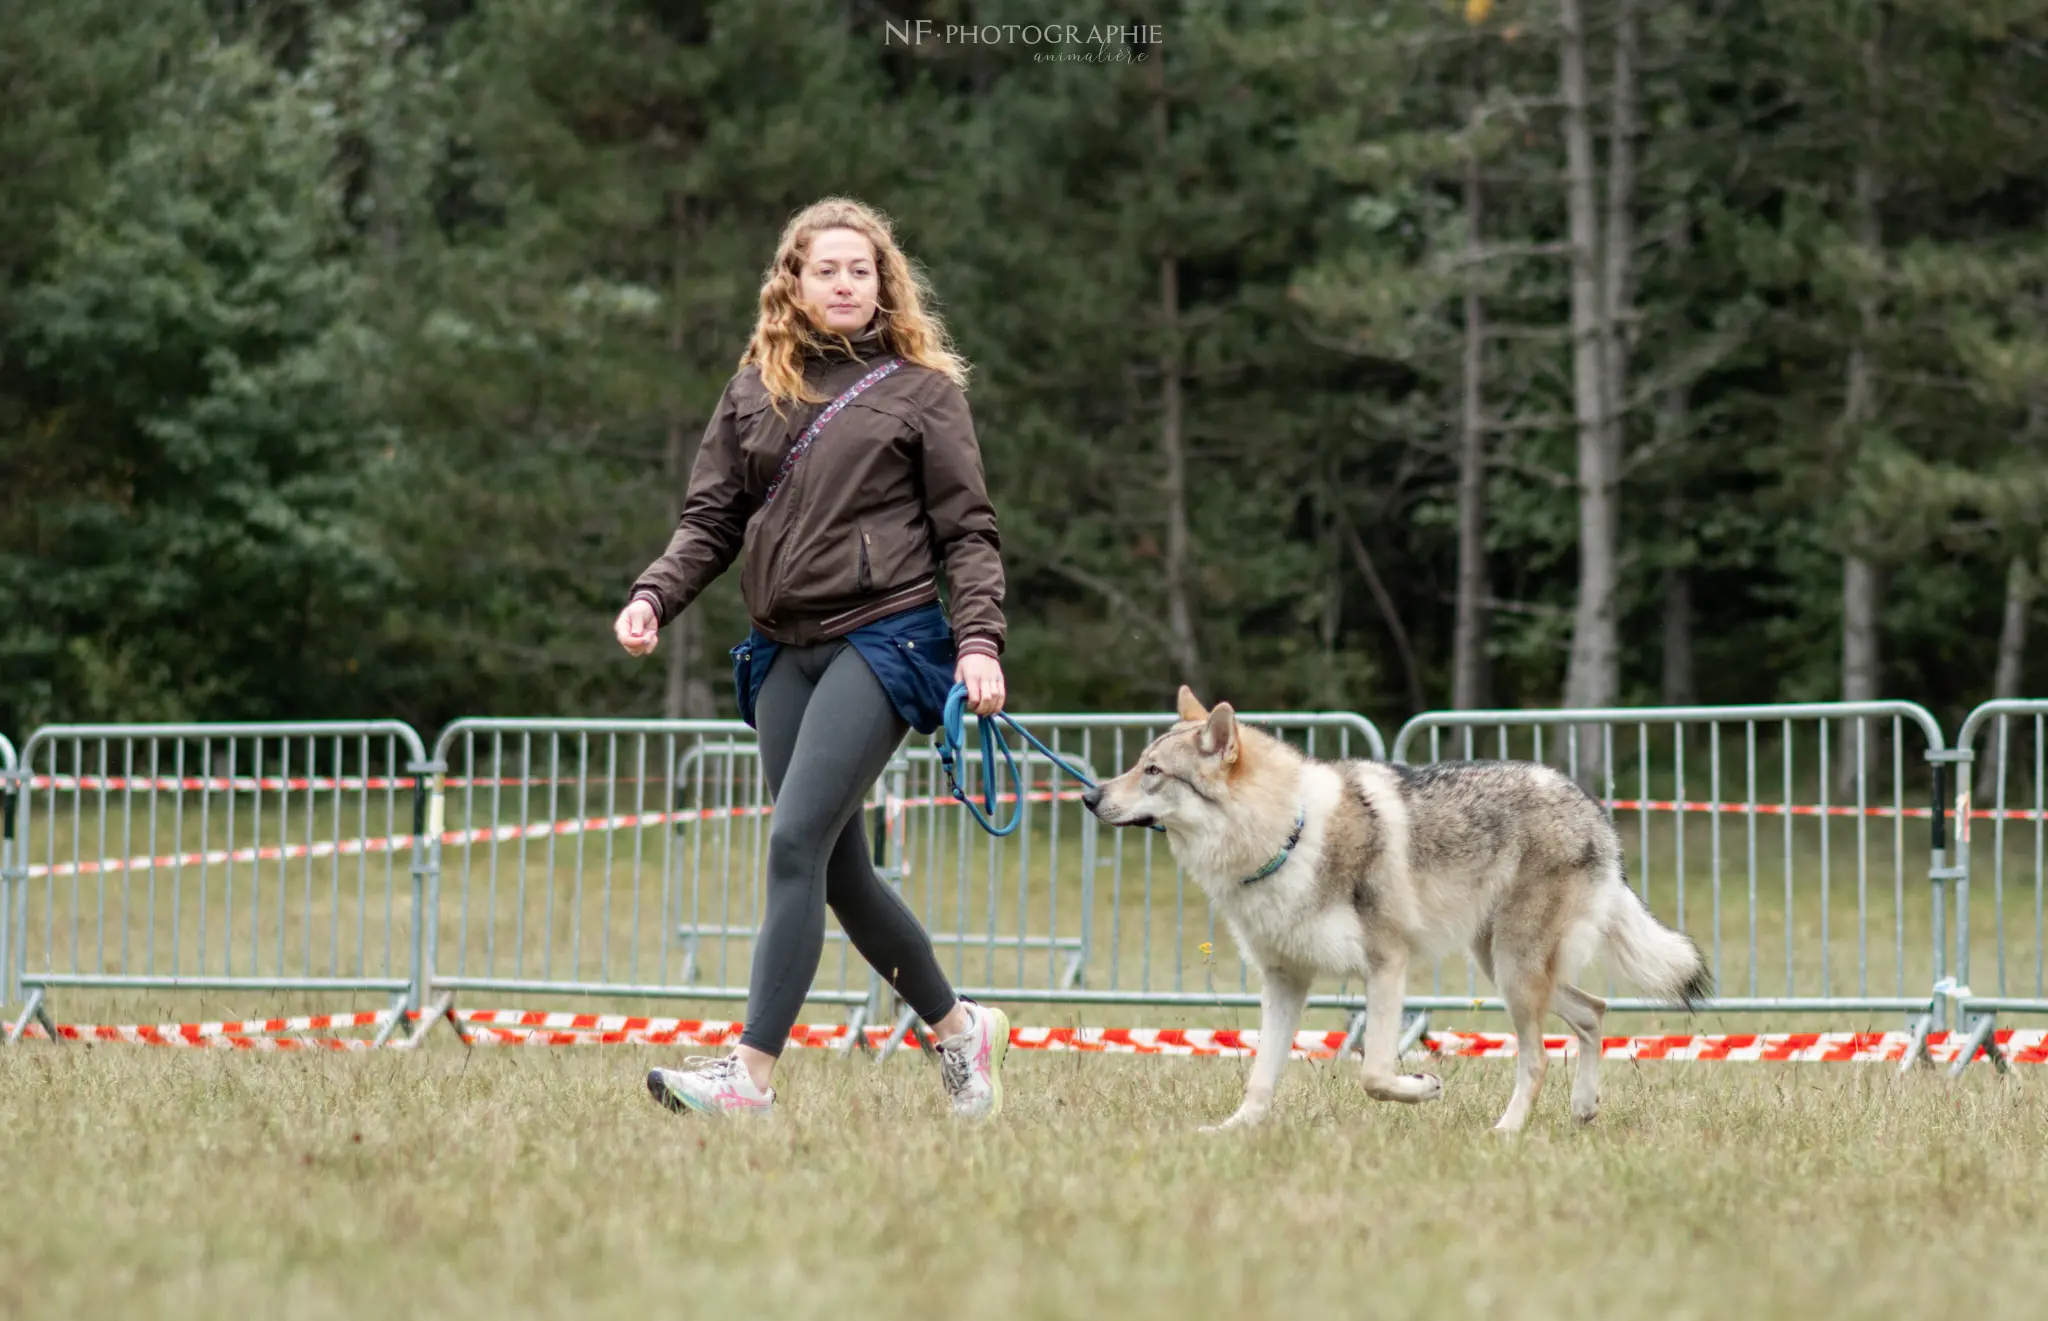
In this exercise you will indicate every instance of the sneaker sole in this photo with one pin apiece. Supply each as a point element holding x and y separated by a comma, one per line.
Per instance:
<point>663,1097</point>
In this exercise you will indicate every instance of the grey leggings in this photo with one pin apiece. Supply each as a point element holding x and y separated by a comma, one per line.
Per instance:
<point>827,729</point>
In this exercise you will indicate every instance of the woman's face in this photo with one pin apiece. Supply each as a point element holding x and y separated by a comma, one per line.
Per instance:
<point>839,285</point>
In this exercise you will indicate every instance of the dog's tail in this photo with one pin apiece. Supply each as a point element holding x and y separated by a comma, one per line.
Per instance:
<point>1663,963</point>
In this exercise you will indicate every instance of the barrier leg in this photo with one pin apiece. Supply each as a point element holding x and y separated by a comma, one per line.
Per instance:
<point>1916,1049</point>
<point>392,1023</point>
<point>33,1010</point>
<point>1981,1038</point>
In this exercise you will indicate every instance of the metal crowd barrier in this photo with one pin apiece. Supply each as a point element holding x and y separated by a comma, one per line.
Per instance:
<point>255,857</point>
<point>625,858</point>
<point>2002,870</point>
<point>1802,891</point>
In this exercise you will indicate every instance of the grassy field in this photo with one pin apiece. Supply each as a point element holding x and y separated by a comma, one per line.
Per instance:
<point>147,1182</point>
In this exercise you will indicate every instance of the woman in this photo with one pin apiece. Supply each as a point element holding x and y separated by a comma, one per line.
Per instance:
<point>842,459</point>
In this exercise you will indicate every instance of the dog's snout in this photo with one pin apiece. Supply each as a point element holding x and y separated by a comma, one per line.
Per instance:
<point>1091,797</point>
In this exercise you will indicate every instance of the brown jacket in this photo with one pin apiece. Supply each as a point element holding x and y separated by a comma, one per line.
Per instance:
<point>891,491</point>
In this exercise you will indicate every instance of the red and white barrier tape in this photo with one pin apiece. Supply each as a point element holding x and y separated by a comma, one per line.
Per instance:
<point>449,839</point>
<point>383,844</point>
<point>199,1034</point>
<point>334,848</point>
<point>2021,1046</point>
<point>511,1027</point>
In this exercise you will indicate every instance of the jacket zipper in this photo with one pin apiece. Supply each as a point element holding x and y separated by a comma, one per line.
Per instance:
<point>864,581</point>
<point>780,573</point>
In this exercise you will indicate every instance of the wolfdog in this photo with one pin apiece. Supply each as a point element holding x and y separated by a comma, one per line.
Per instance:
<point>1357,867</point>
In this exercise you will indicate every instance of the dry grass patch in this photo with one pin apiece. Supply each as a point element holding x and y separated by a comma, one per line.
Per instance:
<point>542,1183</point>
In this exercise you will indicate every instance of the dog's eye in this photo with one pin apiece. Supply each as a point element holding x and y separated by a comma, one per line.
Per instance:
<point>1153,770</point>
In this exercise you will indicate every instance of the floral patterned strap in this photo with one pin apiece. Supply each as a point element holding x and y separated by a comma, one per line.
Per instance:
<point>803,442</point>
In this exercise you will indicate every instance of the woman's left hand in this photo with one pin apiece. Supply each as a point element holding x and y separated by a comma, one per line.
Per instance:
<point>983,676</point>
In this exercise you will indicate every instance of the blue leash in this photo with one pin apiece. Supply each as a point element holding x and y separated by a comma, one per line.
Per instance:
<point>951,742</point>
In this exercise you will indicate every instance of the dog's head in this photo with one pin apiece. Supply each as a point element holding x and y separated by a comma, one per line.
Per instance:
<point>1182,777</point>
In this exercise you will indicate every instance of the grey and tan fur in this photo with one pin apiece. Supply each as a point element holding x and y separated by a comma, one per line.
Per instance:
<point>1394,864</point>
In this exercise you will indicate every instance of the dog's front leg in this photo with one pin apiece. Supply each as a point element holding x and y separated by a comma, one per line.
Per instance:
<point>1280,1004</point>
<point>1386,987</point>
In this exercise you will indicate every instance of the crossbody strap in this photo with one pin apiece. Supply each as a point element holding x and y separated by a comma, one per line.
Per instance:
<point>803,442</point>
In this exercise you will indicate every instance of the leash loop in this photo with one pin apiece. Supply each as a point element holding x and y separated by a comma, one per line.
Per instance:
<point>951,742</point>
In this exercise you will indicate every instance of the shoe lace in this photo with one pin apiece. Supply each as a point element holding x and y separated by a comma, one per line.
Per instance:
<point>715,1067</point>
<point>954,1068</point>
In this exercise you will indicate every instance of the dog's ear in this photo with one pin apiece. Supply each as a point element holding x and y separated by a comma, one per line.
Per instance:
<point>1219,736</point>
<point>1188,707</point>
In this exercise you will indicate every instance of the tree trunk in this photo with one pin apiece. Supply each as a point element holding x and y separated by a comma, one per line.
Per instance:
<point>1677,688</point>
<point>1860,659</point>
<point>1860,672</point>
<point>1861,663</point>
<point>1331,695</point>
<point>1180,614</point>
<point>1471,674</point>
<point>2005,680</point>
<point>1592,678</point>
<point>2012,634</point>
<point>1618,242</point>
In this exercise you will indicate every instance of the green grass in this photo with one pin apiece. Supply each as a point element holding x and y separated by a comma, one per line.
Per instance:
<point>147,1182</point>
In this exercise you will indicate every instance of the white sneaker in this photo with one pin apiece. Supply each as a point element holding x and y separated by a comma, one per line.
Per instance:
<point>710,1086</point>
<point>971,1064</point>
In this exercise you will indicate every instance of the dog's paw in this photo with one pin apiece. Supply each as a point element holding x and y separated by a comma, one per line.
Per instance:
<point>1242,1119</point>
<point>1408,1088</point>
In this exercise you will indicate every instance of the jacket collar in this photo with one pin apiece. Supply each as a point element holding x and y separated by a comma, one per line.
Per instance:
<point>821,347</point>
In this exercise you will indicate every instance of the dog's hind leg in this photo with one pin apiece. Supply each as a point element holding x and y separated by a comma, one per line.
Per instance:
<point>1582,1012</point>
<point>1386,987</point>
<point>1526,983</point>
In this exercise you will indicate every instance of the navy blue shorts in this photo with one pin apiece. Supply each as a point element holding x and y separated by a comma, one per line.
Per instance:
<point>910,653</point>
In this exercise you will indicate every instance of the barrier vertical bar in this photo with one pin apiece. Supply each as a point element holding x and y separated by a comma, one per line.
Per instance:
<point>13,911</point>
<point>1938,875</point>
<point>427,811</point>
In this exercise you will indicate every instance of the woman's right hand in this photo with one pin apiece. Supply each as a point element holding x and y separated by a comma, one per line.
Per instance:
<point>637,628</point>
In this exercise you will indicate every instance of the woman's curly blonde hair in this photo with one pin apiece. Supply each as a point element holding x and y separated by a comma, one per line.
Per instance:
<point>908,328</point>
